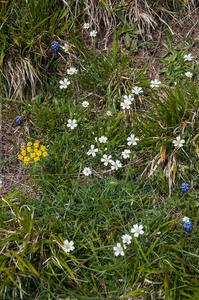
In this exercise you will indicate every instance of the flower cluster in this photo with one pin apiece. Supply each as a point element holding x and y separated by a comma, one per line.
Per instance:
<point>19,120</point>
<point>126,239</point>
<point>184,187</point>
<point>188,227</point>
<point>55,47</point>
<point>127,102</point>
<point>32,151</point>
<point>93,33</point>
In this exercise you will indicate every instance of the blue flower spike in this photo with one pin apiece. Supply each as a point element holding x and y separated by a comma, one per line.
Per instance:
<point>188,227</point>
<point>184,187</point>
<point>19,120</point>
<point>55,47</point>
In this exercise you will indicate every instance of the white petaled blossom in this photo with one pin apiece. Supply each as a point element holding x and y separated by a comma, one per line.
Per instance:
<point>137,230</point>
<point>72,71</point>
<point>126,153</point>
<point>92,151</point>
<point>185,219</point>
<point>86,25</point>
<point>178,142</point>
<point>85,104</point>
<point>128,99</point>
<point>137,90</point>
<point>108,113</point>
<point>115,164</point>
<point>106,159</point>
<point>65,47</point>
<point>93,33</point>
<point>119,250</point>
<point>64,84</point>
<point>132,140</point>
<point>188,57</point>
<point>68,246</point>
<point>72,124</point>
<point>103,139</point>
<point>155,83</point>
<point>86,171</point>
<point>125,105</point>
<point>96,139</point>
<point>126,239</point>
<point>189,74</point>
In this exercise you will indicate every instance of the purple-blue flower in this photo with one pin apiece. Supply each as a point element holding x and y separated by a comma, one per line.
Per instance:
<point>55,47</point>
<point>19,120</point>
<point>184,187</point>
<point>188,227</point>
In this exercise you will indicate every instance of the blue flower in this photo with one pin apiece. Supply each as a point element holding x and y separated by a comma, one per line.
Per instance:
<point>19,120</point>
<point>55,47</point>
<point>188,227</point>
<point>184,187</point>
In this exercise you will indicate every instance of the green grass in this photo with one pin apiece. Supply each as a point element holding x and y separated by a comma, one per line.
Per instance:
<point>95,211</point>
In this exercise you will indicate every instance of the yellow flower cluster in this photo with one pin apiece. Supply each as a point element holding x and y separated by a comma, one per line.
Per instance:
<point>33,151</point>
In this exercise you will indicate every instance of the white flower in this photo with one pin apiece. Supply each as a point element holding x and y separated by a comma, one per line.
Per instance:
<point>178,142</point>
<point>185,219</point>
<point>155,83</point>
<point>106,159</point>
<point>119,250</point>
<point>68,246</point>
<point>92,151</point>
<point>64,84</point>
<point>126,239</point>
<point>103,139</point>
<point>159,232</point>
<point>189,74</point>
<point>132,140</point>
<point>72,71</point>
<point>96,139</point>
<point>125,105</point>
<point>126,153</point>
<point>86,171</point>
<point>72,124</point>
<point>128,99</point>
<point>86,25</point>
<point>188,57</point>
<point>115,164</point>
<point>137,90</point>
<point>137,230</point>
<point>109,113</point>
<point>93,33</point>
<point>85,103</point>
<point>65,47</point>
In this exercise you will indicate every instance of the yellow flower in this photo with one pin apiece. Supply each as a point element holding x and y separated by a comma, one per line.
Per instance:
<point>36,158</point>
<point>29,144</point>
<point>22,147</point>
<point>23,152</point>
<point>44,153</point>
<point>29,149</point>
<point>20,157</point>
<point>36,145</point>
<point>32,155</point>
<point>36,150</point>
<point>43,148</point>
<point>26,159</point>
<point>37,141</point>
<point>39,153</point>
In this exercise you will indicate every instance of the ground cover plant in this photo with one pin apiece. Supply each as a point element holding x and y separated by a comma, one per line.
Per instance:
<point>112,150</point>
